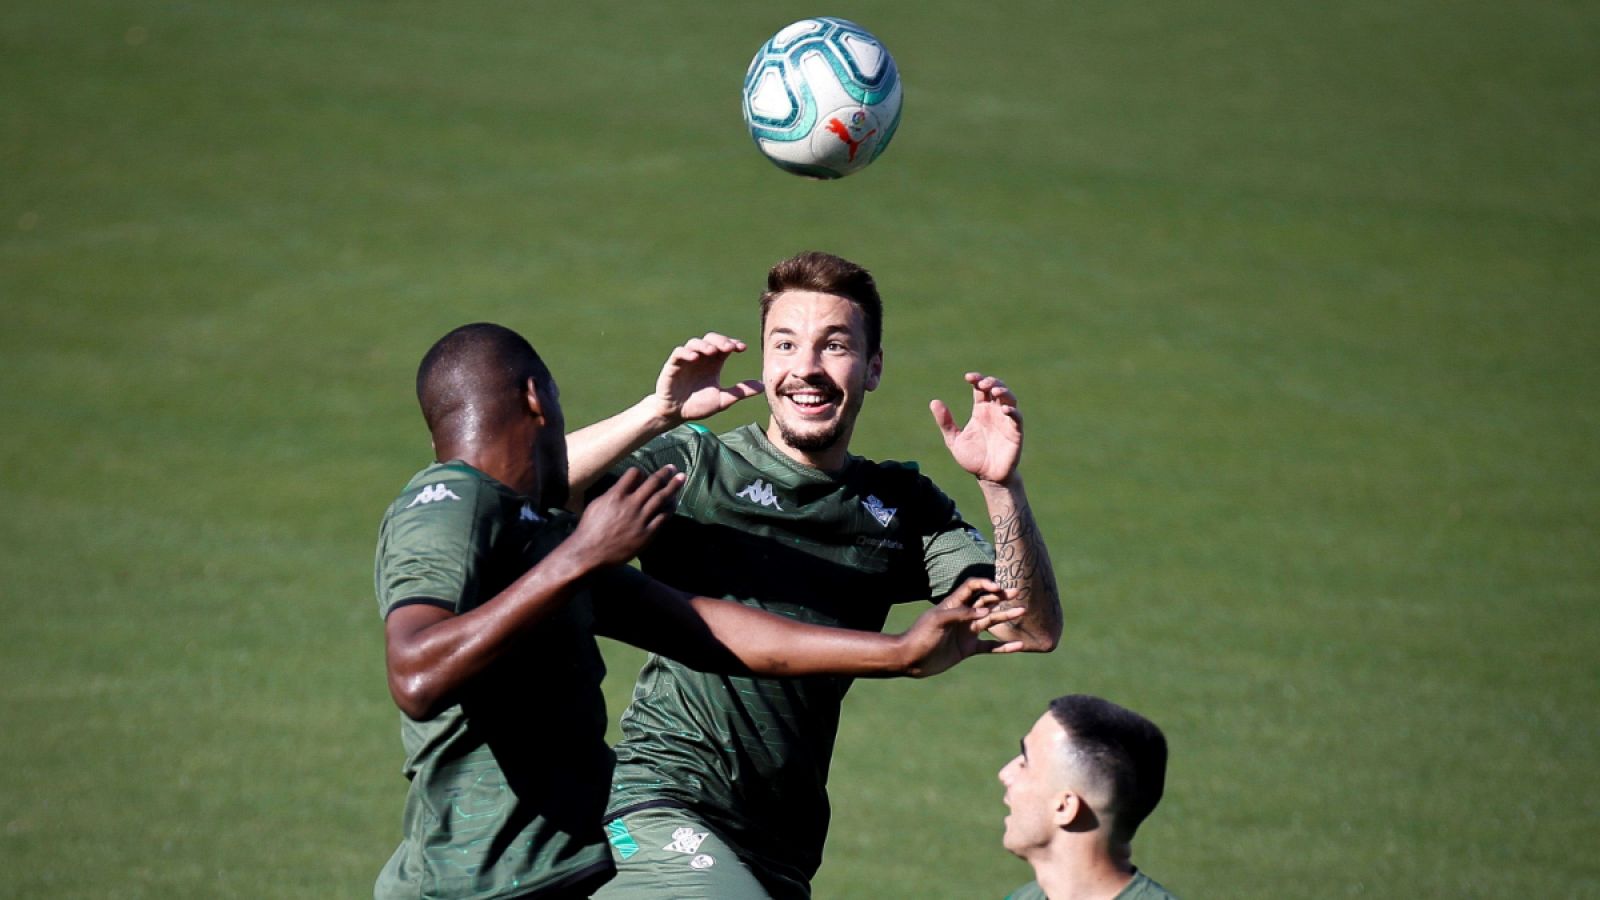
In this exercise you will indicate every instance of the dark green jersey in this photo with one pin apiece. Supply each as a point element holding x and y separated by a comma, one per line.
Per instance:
<point>508,786</point>
<point>1142,887</point>
<point>751,755</point>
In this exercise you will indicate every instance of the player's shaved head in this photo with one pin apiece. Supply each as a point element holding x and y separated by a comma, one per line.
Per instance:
<point>1118,754</point>
<point>474,378</point>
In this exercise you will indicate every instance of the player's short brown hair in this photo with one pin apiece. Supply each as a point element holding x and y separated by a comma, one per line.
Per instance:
<point>828,274</point>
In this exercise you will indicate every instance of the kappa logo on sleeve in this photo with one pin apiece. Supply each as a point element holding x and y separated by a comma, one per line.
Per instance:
<point>433,493</point>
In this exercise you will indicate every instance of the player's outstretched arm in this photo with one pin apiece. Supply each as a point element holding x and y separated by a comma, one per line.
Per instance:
<point>989,447</point>
<point>432,653</point>
<point>726,637</point>
<point>688,388</point>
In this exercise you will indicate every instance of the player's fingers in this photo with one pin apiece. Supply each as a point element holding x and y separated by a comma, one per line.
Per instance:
<point>988,386</point>
<point>663,498</point>
<point>987,621</point>
<point>723,343</point>
<point>660,480</point>
<point>627,481</point>
<point>744,390</point>
<point>968,591</point>
<point>945,421</point>
<point>683,355</point>
<point>988,646</point>
<point>985,601</point>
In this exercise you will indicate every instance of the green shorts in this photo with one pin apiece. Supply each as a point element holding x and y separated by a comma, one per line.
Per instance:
<point>666,853</point>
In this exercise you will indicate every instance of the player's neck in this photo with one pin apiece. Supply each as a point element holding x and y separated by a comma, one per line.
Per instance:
<point>508,465</point>
<point>832,460</point>
<point>1075,873</point>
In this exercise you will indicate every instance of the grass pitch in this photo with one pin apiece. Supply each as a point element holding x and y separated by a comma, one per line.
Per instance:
<point>1300,301</point>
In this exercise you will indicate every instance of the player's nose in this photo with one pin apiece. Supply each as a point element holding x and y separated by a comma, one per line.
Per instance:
<point>808,363</point>
<point>1005,773</point>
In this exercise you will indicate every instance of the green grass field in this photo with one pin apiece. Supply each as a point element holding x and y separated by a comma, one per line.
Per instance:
<point>1302,301</point>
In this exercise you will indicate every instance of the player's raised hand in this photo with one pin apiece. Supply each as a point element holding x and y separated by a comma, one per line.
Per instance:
<point>689,386</point>
<point>990,445</point>
<point>949,632</point>
<point>617,524</point>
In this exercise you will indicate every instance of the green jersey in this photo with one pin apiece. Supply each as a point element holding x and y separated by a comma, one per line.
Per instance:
<point>1142,887</point>
<point>750,755</point>
<point>508,786</point>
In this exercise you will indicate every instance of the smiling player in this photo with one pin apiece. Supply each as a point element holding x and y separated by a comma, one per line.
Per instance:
<point>720,790</point>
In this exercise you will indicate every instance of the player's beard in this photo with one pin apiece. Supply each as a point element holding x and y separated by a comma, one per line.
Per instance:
<point>815,441</point>
<point>825,439</point>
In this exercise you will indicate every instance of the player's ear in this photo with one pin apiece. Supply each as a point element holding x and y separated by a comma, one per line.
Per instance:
<point>531,397</point>
<point>1066,808</point>
<point>875,370</point>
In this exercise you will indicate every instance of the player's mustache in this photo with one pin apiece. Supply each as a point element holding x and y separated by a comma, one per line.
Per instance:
<point>816,383</point>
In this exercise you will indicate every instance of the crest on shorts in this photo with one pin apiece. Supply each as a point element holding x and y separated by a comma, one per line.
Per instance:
<point>685,840</point>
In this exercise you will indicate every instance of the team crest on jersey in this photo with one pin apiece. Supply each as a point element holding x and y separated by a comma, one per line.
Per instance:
<point>433,493</point>
<point>686,840</point>
<point>884,514</point>
<point>761,494</point>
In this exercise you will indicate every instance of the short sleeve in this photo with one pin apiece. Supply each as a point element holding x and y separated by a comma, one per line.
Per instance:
<point>952,550</point>
<point>433,544</point>
<point>678,447</point>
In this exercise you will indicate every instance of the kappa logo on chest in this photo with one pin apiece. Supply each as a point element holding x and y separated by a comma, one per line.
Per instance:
<point>761,494</point>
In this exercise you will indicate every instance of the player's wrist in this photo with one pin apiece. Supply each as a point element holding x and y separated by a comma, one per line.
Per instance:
<point>909,656</point>
<point>574,559</point>
<point>658,415</point>
<point>1012,483</point>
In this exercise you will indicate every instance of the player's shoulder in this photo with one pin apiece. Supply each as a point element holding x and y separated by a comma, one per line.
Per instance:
<point>681,446</point>
<point>901,476</point>
<point>892,468</point>
<point>447,491</point>
<point>445,482</point>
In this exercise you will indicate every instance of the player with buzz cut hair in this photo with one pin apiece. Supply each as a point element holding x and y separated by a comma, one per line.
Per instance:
<point>1089,773</point>
<point>491,603</point>
<point>721,783</point>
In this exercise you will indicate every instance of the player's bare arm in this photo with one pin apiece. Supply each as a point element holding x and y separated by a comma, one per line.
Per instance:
<point>432,653</point>
<point>989,447</point>
<point>722,636</point>
<point>689,388</point>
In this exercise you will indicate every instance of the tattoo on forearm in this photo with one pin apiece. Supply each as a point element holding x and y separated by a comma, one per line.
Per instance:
<point>1022,563</point>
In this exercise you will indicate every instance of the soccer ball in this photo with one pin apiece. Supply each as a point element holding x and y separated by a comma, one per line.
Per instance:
<point>822,98</point>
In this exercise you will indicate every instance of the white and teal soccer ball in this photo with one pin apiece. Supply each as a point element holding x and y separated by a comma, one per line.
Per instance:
<point>822,98</point>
